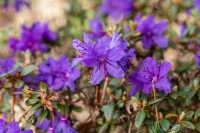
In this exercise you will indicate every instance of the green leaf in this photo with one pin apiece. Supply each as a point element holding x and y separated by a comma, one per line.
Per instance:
<point>77,109</point>
<point>28,70</point>
<point>34,109</point>
<point>176,128</point>
<point>165,124</point>
<point>189,115</point>
<point>44,87</point>
<point>120,104</point>
<point>32,101</point>
<point>155,101</point>
<point>19,84</point>
<point>43,114</point>
<point>139,118</point>
<point>197,126</point>
<point>197,113</point>
<point>103,128</point>
<point>108,110</point>
<point>188,124</point>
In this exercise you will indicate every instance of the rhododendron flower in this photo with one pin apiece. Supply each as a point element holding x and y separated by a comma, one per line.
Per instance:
<point>59,125</point>
<point>150,73</point>
<point>6,65</point>
<point>32,38</point>
<point>12,127</point>
<point>58,74</point>
<point>97,29</point>
<point>197,4</point>
<point>152,32</point>
<point>106,56</point>
<point>19,3</point>
<point>116,9</point>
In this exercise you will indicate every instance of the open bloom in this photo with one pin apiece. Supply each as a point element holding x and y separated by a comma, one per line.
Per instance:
<point>33,38</point>
<point>97,29</point>
<point>197,4</point>
<point>6,65</point>
<point>58,74</point>
<point>152,32</point>
<point>116,9</point>
<point>149,74</point>
<point>109,55</point>
<point>19,3</point>
<point>59,125</point>
<point>12,127</point>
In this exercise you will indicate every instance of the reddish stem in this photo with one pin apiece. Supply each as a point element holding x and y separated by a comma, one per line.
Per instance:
<point>104,90</point>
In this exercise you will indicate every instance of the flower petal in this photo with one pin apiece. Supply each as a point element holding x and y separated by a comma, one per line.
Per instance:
<point>147,42</point>
<point>115,54</point>
<point>160,40</point>
<point>114,69</point>
<point>164,68</point>
<point>98,74</point>
<point>163,85</point>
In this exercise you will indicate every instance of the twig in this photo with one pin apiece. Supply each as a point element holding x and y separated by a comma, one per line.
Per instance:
<point>104,90</point>
<point>25,112</point>
<point>154,95</point>
<point>12,107</point>
<point>130,127</point>
<point>96,94</point>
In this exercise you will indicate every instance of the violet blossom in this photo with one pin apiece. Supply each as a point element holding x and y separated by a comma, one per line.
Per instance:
<point>58,74</point>
<point>59,124</point>
<point>97,29</point>
<point>152,32</point>
<point>17,4</point>
<point>33,38</point>
<point>6,65</point>
<point>11,127</point>
<point>149,74</point>
<point>116,9</point>
<point>107,56</point>
<point>197,4</point>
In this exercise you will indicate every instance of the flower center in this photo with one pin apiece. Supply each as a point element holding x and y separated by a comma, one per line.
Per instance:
<point>154,79</point>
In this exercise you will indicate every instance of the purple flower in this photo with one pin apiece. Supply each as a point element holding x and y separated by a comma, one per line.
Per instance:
<point>183,30</point>
<point>152,32</point>
<point>151,74</point>
<point>6,65</point>
<point>64,127</point>
<point>197,58</point>
<point>60,124</point>
<point>58,74</point>
<point>106,56</point>
<point>197,4</point>
<point>19,3</point>
<point>32,38</point>
<point>12,127</point>
<point>97,29</point>
<point>116,9</point>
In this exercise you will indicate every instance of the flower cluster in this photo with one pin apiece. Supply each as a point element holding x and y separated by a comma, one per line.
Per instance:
<point>152,32</point>
<point>151,74</point>
<point>12,127</point>
<point>58,74</point>
<point>109,55</point>
<point>33,38</point>
<point>116,9</point>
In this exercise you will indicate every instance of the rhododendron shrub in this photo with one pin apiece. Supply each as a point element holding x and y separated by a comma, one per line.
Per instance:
<point>118,66</point>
